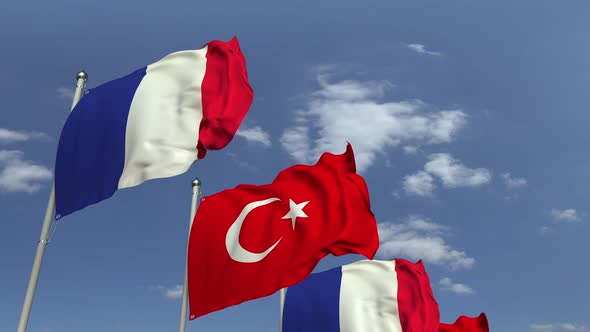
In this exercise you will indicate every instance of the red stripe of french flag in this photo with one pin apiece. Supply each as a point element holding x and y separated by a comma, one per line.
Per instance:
<point>226,95</point>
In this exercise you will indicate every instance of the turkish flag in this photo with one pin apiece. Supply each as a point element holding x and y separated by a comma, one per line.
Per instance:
<point>467,324</point>
<point>251,241</point>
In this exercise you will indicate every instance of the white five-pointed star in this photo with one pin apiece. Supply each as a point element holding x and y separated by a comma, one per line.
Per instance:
<point>295,210</point>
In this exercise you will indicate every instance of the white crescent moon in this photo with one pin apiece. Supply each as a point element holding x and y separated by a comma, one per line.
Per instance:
<point>232,243</point>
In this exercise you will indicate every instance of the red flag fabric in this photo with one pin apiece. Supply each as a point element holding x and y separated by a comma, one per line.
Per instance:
<point>417,308</point>
<point>226,95</point>
<point>251,241</point>
<point>467,324</point>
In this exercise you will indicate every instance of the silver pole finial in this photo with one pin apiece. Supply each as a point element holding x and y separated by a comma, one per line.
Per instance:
<point>197,182</point>
<point>82,75</point>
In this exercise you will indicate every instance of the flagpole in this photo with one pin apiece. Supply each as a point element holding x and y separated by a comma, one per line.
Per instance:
<point>282,294</point>
<point>195,201</point>
<point>81,77</point>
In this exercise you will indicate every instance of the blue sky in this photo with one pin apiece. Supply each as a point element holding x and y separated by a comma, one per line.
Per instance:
<point>468,120</point>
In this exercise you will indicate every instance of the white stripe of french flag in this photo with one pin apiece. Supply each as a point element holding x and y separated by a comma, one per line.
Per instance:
<point>152,123</point>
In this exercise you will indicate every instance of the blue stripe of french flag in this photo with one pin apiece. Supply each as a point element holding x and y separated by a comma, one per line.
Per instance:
<point>152,123</point>
<point>368,295</point>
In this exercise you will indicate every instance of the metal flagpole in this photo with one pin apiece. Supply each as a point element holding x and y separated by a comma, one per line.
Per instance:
<point>194,204</point>
<point>47,221</point>
<point>282,294</point>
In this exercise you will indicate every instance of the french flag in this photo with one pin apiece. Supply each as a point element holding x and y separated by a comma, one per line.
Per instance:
<point>368,295</point>
<point>152,123</point>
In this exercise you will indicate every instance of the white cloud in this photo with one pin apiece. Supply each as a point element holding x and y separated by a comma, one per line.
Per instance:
<point>19,175</point>
<point>352,111</point>
<point>449,170</point>
<point>408,149</point>
<point>10,136</point>
<point>565,215</point>
<point>420,224</point>
<point>418,238</point>
<point>255,134</point>
<point>557,327</point>
<point>544,230</point>
<point>295,141</point>
<point>171,293</point>
<point>174,293</point>
<point>350,90</point>
<point>454,174</point>
<point>420,184</point>
<point>448,285</point>
<point>65,93</point>
<point>513,183</point>
<point>420,48</point>
<point>240,162</point>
